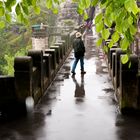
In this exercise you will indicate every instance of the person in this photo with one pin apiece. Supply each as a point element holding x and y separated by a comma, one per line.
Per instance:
<point>79,51</point>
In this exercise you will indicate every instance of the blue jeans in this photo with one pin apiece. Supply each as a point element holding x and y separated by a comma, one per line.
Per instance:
<point>75,63</point>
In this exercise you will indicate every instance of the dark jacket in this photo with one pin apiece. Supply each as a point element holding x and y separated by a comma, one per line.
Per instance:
<point>79,48</point>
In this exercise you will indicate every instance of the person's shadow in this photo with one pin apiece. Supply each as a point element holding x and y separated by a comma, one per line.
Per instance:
<point>79,89</point>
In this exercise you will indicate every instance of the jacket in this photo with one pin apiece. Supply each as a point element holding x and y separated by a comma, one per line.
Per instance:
<point>79,48</point>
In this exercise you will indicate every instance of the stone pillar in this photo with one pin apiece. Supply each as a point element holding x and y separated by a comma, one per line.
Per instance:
<point>64,45</point>
<point>57,50</point>
<point>111,60</point>
<point>129,84</point>
<point>7,89</point>
<point>111,51</point>
<point>39,37</point>
<point>47,70</point>
<point>37,56</point>
<point>23,77</point>
<point>53,60</point>
<point>67,39</point>
<point>113,66</point>
<point>62,49</point>
<point>119,52</point>
<point>47,58</point>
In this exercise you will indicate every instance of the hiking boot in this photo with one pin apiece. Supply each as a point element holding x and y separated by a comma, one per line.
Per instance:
<point>83,72</point>
<point>73,73</point>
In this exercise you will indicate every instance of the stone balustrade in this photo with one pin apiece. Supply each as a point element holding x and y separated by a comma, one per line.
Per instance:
<point>33,74</point>
<point>125,80</point>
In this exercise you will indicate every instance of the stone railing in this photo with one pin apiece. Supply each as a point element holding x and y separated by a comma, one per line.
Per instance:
<point>125,80</point>
<point>33,74</point>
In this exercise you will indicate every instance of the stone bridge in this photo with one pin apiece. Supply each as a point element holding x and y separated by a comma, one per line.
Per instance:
<point>35,72</point>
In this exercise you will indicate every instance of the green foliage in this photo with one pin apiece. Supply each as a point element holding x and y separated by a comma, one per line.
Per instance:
<point>99,42</point>
<point>15,39</point>
<point>124,15</point>
<point>124,58</point>
<point>115,37</point>
<point>105,34</point>
<point>8,69</point>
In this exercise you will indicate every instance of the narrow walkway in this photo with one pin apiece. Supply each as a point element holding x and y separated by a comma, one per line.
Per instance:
<point>81,107</point>
<point>76,108</point>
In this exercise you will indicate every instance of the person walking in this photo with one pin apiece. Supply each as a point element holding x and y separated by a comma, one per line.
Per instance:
<point>79,51</point>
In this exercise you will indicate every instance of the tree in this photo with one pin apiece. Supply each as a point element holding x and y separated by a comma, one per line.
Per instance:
<point>15,37</point>
<point>124,14</point>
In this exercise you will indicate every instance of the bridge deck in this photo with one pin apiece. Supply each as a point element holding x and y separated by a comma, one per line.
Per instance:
<point>80,107</point>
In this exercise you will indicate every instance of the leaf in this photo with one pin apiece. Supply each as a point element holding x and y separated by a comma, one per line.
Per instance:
<point>56,1</point>
<point>80,11</point>
<point>49,4</point>
<point>110,44</point>
<point>20,17</point>
<point>13,2</point>
<point>105,34</point>
<point>105,48</point>
<point>129,65</point>
<point>130,20</point>
<point>87,2</point>
<point>8,6</point>
<point>124,44</point>
<point>37,10</point>
<point>118,26</point>
<point>25,9</point>
<point>18,10</point>
<point>55,10</point>
<point>28,2</point>
<point>1,11</point>
<point>8,17</point>
<point>125,25</point>
<point>133,29</point>
<point>115,37</point>
<point>99,42</point>
<point>99,18</point>
<point>34,2</point>
<point>25,21</point>
<point>1,4</point>
<point>131,6</point>
<point>94,2</point>
<point>2,24</point>
<point>108,22</point>
<point>85,16</point>
<point>129,36</point>
<point>124,58</point>
<point>103,1</point>
<point>99,26</point>
<point>82,4</point>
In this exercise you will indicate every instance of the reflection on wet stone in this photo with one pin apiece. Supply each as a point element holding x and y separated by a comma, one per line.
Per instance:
<point>79,89</point>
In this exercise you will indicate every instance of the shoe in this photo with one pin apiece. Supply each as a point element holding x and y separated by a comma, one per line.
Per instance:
<point>73,73</point>
<point>83,72</point>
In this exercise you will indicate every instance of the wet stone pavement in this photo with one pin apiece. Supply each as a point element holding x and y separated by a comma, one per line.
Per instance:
<point>81,107</point>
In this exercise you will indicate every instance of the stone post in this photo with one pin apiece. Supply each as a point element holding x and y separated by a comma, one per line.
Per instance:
<point>62,48</point>
<point>23,77</point>
<point>129,84</point>
<point>7,89</point>
<point>119,52</point>
<point>53,58</point>
<point>57,50</point>
<point>37,56</point>
<point>47,70</point>
<point>39,37</point>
